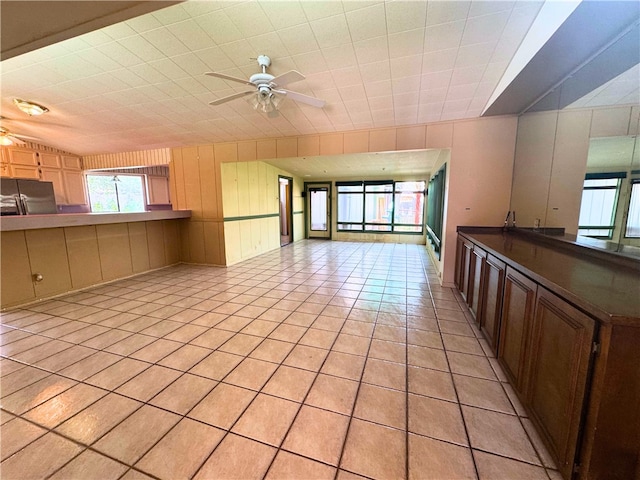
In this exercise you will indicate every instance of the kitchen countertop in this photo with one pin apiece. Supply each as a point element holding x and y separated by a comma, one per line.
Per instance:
<point>607,290</point>
<point>33,222</point>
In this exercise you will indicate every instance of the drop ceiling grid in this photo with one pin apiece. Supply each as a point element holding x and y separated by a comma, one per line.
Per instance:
<point>381,75</point>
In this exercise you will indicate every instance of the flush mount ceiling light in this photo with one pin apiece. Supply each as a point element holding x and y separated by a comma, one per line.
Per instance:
<point>30,108</point>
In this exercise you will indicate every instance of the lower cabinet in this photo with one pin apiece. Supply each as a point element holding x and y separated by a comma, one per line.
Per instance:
<point>476,264</point>
<point>560,355</point>
<point>517,316</point>
<point>491,302</point>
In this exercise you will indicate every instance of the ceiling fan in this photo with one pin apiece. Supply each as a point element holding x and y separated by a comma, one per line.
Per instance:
<point>8,138</point>
<point>268,92</point>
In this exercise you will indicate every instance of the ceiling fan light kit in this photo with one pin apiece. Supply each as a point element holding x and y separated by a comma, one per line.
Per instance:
<point>268,93</point>
<point>30,108</point>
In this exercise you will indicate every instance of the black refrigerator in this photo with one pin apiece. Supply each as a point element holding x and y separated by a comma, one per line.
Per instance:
<point>26,197</point>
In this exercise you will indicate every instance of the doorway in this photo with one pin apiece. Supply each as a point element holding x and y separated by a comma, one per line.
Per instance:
<point>286,214</point>
<point>319,208</point>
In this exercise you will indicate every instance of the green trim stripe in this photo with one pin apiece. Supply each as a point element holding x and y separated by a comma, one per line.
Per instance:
<point>251,217</point>
<point>299,213</point>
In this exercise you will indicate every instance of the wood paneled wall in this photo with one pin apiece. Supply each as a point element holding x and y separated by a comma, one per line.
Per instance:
<point>72,258</point>
<point>143,158</point>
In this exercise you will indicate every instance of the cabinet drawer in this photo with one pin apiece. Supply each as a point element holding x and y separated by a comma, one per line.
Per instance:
<point>50,160</point>
<point>24,171</point>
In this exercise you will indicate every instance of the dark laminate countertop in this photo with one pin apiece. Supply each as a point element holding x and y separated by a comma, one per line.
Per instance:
<point>607,290</point>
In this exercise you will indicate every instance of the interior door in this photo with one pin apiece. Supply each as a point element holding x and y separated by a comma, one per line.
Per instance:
<point>319,208</point>
<point>286,214</point>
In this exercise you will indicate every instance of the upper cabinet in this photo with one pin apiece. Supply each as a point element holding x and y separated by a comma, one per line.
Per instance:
<point>64,171</point>
<point>157,190</point>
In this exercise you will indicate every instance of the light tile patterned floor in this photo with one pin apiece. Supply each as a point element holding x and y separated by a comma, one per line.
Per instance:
<point>319,360</point>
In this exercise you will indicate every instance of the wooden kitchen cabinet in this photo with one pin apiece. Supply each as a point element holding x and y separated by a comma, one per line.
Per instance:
<point>50,160</point>
<point>476,264</point>
<point>5,170</point>
<point>22,156</point>
<point>491,302</point>
<point>157,190</point>
<point>54,175</point>
<point>74,187</point>
<point>517,318</point>
<point>560,355</point>
<point>25,171</point>
<point>465,248</point>
<point>70,162</point>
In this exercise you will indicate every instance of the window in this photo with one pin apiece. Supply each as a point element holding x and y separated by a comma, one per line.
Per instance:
<point>633,218</point>
<point>435,209</point>
<point>598,206</point>
<point>380,206</point>
<point>116,193</point>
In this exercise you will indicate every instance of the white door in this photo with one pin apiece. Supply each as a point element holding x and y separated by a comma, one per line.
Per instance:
<point>319,208</point>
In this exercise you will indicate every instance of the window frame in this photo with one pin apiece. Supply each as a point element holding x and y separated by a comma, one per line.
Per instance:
<point>392,225</point>
<point>141,176</point>
<point>619,176</point>
<point>633,182</point>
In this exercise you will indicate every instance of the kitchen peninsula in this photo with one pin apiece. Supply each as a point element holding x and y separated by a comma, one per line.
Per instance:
<point>47,255</point>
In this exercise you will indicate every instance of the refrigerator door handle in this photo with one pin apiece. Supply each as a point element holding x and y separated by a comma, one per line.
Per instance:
<point>18,201</point>
<point>23,200</point>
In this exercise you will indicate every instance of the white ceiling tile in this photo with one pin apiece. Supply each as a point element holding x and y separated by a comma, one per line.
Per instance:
<point>406,84</point>
<point>315,10</point>
<point>439,60</point>
<point>340,56</point>
<point>372,50</point>
<point>99,59</point>
<point>405,99</point>
<point>386,114</point>
<point>435,95</point>
<point>376,71</point>
<point>118,31</point>
<point>467,75</point>
<point>378,88</point>
<point>283,14</point>
<point>269,44</point>
<point>445,12</point>
<point>485,89</point>
<point>354,92</point>
<point>190,64</point>
<point>356,106</point>
<point>456,105</point>
<point>345,77</point>
<point>310,62</point>
<point>406,66</point>
<point>403,16</point>
<point>241,53</point>
<point>368,22</point>
<point>120,54</point>
<point>165,41</point>
<point>143,49</point>
<point>406,43</point>
<point>381,103</point>
<point>215,59</point>
<point>95,38</point>
<point>149,74</point>
<point>171,14</point>
<point>143,23</point>
<point>443,36</point>
<point>219,27</point>
<point>331,31</point>
<point>487,28</point>
<point>249,18</point>
<point>505,50</point>
<point>191,34</point>
<point>298,39</point>
<point>460,92</point>
<point>494,71</point>
<point>476,54</point>
<point>191,85</point>
<point>407,112</point>
<point>436,80</point>
<point>485,7</point>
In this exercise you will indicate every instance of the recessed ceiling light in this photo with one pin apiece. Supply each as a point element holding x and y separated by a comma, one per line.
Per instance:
<point>30,108</point>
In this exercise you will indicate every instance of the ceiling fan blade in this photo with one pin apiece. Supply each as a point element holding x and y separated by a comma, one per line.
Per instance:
<point>299,97</point>
<point>229,77</point>
<point>286,78</point>
<point>231,97</point>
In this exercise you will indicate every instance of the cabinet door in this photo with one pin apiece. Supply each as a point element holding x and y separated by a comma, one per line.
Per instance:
<point>560,356</point>
<point>491,304</point>
<point>54,175</point>
<point>74,187</point>
<point>475,281</point>
<point>18,156</point>
<point>5,170</point>
<point>71,163</point>
<point>465,262</point>
<point>49,160</point>
<point>24,171</point>
<point>158,190</point>
<point>458,277</point>
<point>515,329</point>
